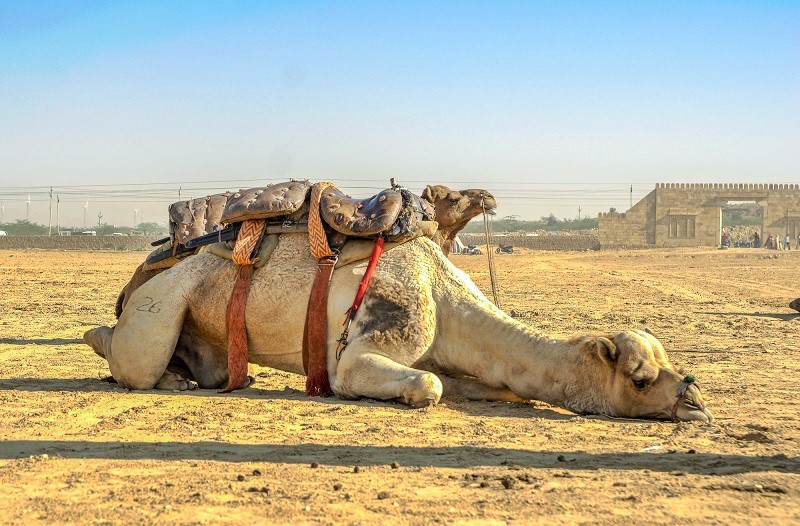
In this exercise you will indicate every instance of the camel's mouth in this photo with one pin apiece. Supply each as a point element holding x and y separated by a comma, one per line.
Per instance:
<point>695,415</point>
<point>689,411</point>
<point>490,206</point>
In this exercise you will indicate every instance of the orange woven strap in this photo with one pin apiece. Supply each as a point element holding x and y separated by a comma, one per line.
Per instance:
<point>316,233</point>
<point>246,241</point>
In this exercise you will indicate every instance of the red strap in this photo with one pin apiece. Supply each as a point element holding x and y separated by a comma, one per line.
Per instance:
<point>377,250</point>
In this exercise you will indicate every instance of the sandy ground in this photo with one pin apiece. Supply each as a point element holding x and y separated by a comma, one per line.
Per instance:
<point>75,449</point>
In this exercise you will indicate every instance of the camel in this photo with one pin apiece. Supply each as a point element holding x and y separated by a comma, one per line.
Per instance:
<point>454,209</point>
<point>424,330</point>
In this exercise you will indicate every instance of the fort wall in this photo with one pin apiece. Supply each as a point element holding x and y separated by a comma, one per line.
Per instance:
<point>117,243</point>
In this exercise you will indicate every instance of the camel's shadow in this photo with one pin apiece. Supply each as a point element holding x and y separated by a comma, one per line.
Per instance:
<point>471,408</point>
<point>347,456</point>
<point>40,341</point>
<point>782,316</point>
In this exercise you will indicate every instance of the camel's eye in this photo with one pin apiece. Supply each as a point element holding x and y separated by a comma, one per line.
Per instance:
<point>454,198</point>
<point>640,384</point>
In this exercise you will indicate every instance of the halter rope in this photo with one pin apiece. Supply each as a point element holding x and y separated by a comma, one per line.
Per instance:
<point>488,231</point>
<point>682,388</point>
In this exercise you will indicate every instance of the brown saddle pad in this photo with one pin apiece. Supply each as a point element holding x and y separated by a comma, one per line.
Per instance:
<point>360,217</point>
<point>282,199</point>
<point>195,217</point>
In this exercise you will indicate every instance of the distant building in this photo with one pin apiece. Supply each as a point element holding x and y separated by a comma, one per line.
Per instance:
<point>686,215</point>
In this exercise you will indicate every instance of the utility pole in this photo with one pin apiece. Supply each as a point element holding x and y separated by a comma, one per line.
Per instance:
<point>179,193</point>
<point>28,209</point>
<point>58,217</point>
<point>135,211</point>
<point>99,218</point>
<point>631,196</point>
<point>50,217</point>
<point>579,213</point>
<point>85,210</point>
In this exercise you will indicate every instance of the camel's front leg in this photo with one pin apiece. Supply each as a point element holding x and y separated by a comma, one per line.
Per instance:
<point>373,375</point>
<point>474,389</point>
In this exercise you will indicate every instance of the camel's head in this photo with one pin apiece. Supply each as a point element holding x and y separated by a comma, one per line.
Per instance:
<point>455,208</point>
<point>642,383</point>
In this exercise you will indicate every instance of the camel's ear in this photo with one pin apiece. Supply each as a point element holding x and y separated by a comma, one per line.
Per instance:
<point>605,349</point>
<point>648,331</point>
<point>434,193</point>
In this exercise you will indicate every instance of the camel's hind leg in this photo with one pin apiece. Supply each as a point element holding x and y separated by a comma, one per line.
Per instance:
<point>99,339</point>
<point>373,375</point>
<point>144,339</point>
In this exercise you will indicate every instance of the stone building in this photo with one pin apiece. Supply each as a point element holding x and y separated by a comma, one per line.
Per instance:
<point>687,215</point>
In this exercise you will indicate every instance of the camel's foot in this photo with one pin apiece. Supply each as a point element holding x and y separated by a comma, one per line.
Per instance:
<point>174,382</point>
<point>424,390</point>
<point>376,376</point>
<point>99,339</point>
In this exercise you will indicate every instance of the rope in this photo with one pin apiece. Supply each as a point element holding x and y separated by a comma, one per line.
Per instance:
<point>488,230</point>
<point>316,233</point>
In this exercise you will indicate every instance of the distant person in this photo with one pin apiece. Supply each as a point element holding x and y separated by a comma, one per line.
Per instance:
<point>787,243</point>
<point>757,240</point>
<point>769,242</point>
<point>726,239</point>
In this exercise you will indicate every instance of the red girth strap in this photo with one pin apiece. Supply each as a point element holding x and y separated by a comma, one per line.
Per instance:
<point>377,250</point>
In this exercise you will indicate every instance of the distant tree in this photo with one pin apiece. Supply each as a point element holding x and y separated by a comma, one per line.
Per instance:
<point>551,222</point>
<point>151,228</point>
<point>23,227</point>
<point>612,210</point>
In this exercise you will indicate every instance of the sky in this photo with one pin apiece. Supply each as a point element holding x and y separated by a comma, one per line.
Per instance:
<point>551,106</point>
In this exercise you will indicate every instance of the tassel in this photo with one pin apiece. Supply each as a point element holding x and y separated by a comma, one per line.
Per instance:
<point>315,333</point>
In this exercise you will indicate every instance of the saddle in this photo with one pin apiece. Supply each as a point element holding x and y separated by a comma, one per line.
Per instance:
<point>394,213</point>
<point>330,217</point>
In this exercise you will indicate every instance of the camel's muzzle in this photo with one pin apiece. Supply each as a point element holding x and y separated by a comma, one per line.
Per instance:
<point>690,405</point>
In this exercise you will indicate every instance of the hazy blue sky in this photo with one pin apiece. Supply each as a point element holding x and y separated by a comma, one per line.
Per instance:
<point>551,105</point>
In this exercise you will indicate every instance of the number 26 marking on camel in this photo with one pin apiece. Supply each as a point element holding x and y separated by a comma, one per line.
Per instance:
<point>149,306</point>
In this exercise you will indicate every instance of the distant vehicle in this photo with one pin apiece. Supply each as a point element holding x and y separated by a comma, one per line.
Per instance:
<point>3,233</point>
<point>89,233</point>
<point>471,250</point>
<point>117,234</point>
<point>505,249</point>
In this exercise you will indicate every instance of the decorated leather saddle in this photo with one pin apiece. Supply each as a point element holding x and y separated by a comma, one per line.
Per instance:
<point>395,214</point>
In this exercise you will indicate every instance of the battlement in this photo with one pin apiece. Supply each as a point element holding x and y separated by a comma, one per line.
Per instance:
<point>727,186</point>
<point>612,215</point>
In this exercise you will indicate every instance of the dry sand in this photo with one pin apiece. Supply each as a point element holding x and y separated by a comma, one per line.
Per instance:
<point>75,449</point>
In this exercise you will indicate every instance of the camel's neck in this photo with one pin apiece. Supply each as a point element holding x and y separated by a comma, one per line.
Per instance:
<point>480,340</point>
